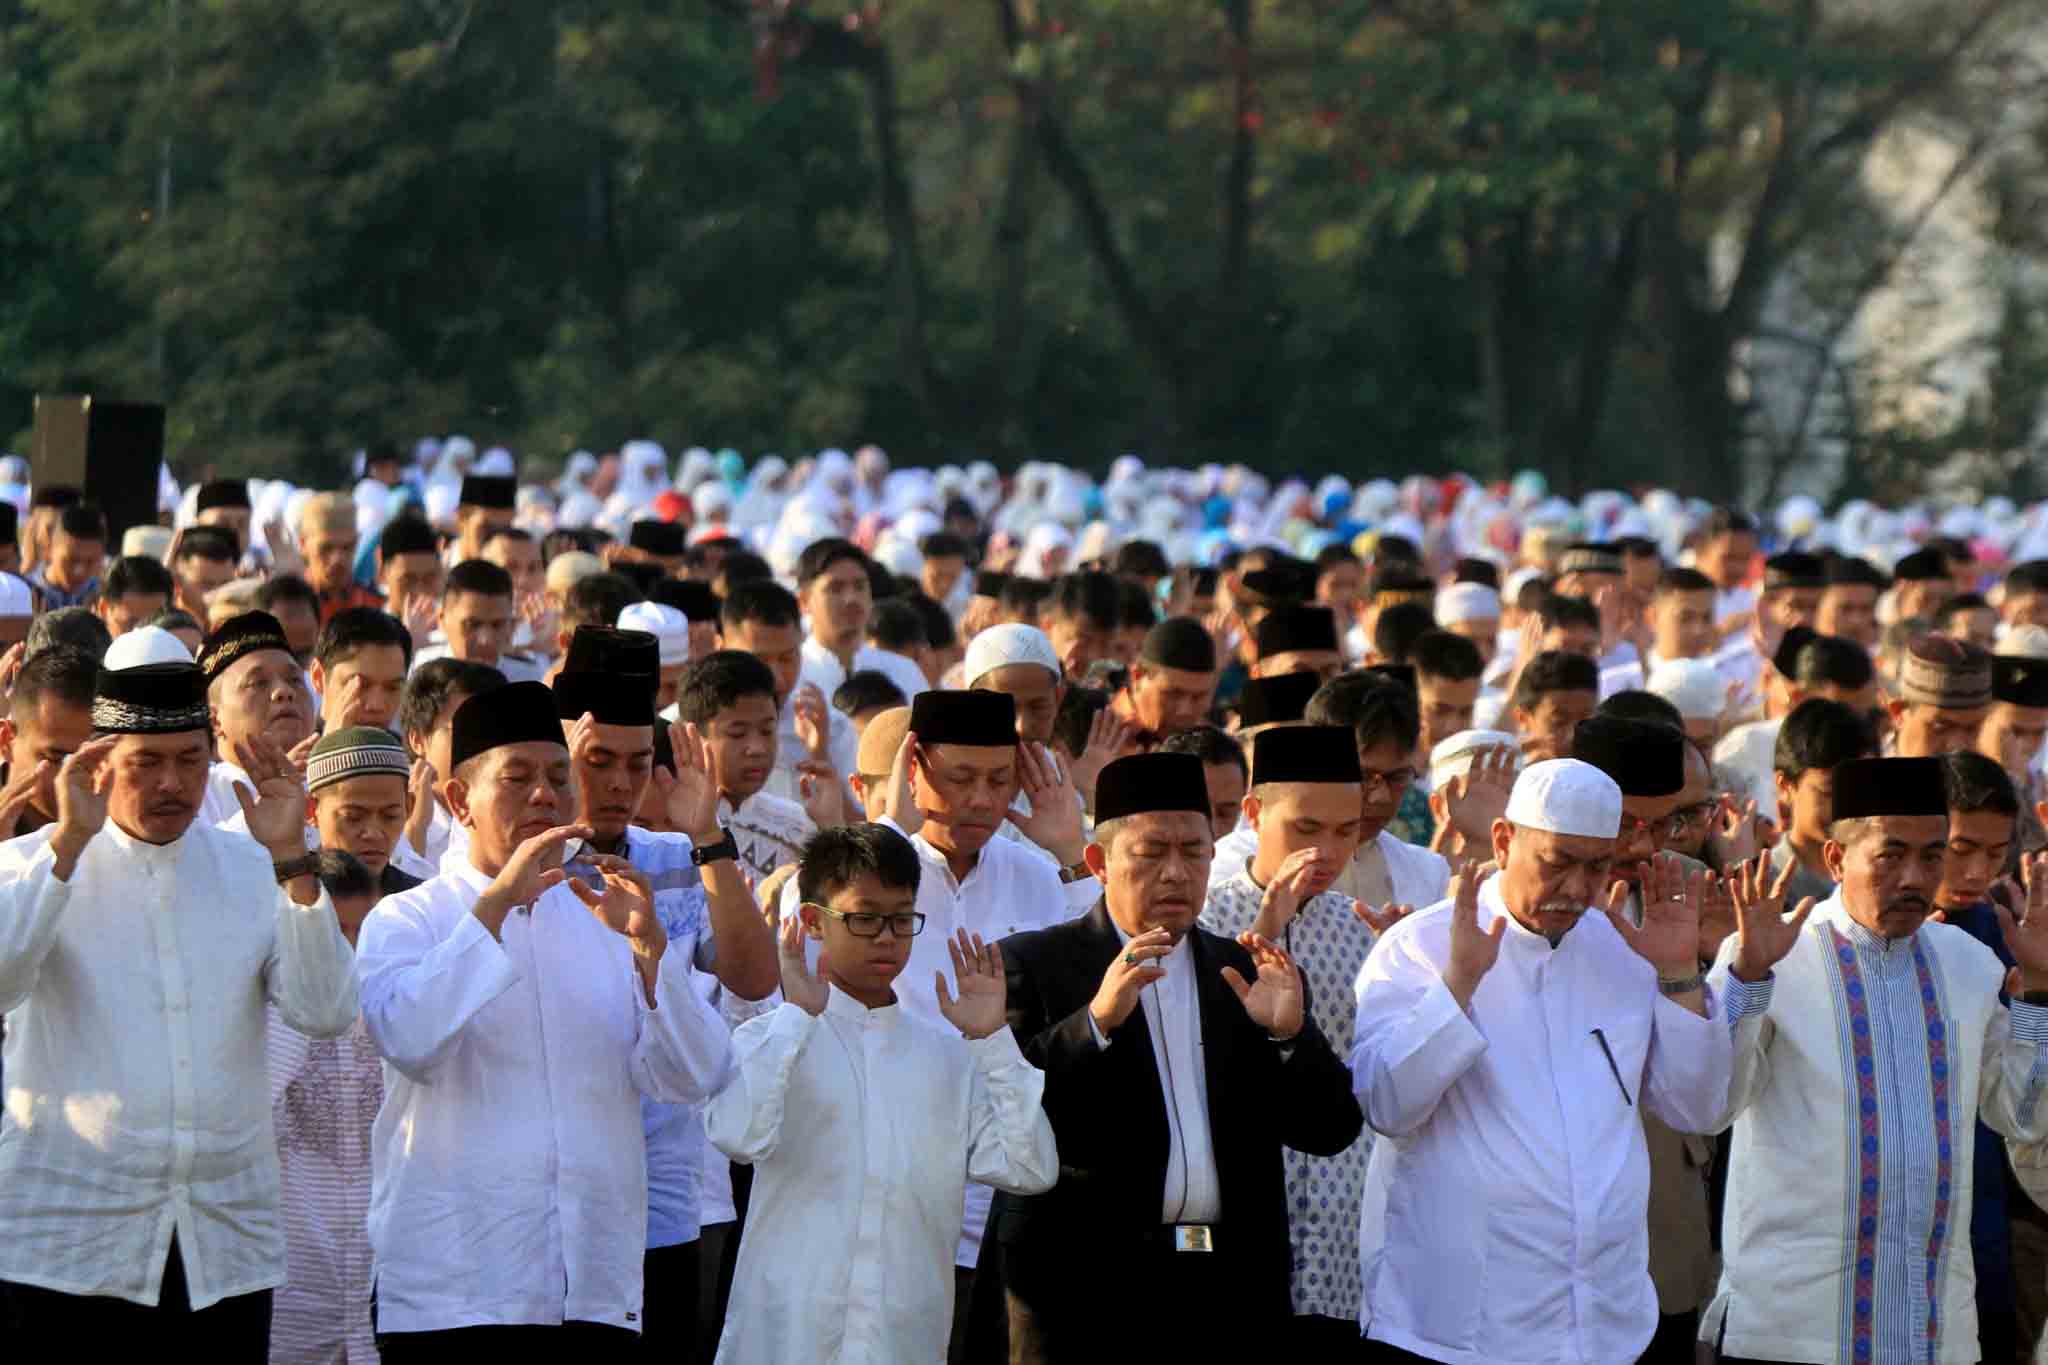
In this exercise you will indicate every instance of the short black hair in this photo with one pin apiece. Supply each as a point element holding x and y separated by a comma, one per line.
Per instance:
<point>939,630</point>
<point>1947,612</point>
<point>866,689</point>
<point>759,602</point>
<point>1134,608</point>
<point>429,686</point>
<point>1078,706</point>
<point>1830,661</point>
<point>509,532</point>
<point>1638,547</point>
<point>342,873</point>
<point>839,855</point>
<point>1374,707</point>
<point>820,555</point>
<point>356,628</point>
<point>1476,570</point>
<point>1084,596</point>
<point>743,566</point>
<point>597,599</point>
<point>1727,521</point>
<point>216,543</point>
<point>175,618</point>
<point>1858,571</point>
<point>1633,703</point>
<point>1388,548</point>
<point>945,545</point>
<point>79,628</point>
<point>882,583</point>
<point>1140,559</point>
<point>1213,746</point>
<point>1559,610</point>
<point>1397,628</point>
<point>83,521</point>
<point>478,576</point>
<point>1821,734</point>
<point>1555,670</point>
<point>137,574</point>
<point>1976,783</point>
<point>2029,576</point>
<point>717,681</point>
<point>67,674</point>
<point>895,625</point>
<point>1025,597</point>
<point>1440,654</point>
<point>1678,578</point>
<point>1335,555</point>
<point>286,587</point>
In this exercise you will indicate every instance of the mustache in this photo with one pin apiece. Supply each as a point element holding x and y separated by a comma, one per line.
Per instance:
<point>1560,908</point>
<point>1910,903</point>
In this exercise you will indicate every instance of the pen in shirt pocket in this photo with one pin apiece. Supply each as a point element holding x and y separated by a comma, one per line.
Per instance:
<point>1608,1052</point>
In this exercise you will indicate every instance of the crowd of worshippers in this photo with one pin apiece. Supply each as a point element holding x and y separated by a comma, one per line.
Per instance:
<point>457,938</point>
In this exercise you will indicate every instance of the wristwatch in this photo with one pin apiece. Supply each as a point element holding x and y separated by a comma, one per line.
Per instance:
<point>305,865</point>
<point>1074,872</point>
<point>726,847</point>
<point>1683,985</point>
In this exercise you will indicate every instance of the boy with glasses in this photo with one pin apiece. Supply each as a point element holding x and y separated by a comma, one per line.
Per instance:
<point>889,1102</point>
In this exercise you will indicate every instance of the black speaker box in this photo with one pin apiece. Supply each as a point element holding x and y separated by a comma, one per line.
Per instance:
<point>111,450</point>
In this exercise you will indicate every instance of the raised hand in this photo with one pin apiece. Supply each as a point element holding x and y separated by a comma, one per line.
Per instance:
<point>1384,918</point>
<point>801,986</point>
<point>420,818</point>
<point>533,867</point>
<point>542,622</point>
<point>981,1008</point>
<point>19,791</point>
<point>625,905</point>
<point>300,754</point>
<point>2027,938</point>
<point>1477,797</point>
<point>1473,950</point>
<point>1108,734</point>
<point>691,796</point>
<point>813,722</point>
<point>1055,820</point>
<point>10,664</point>
<point>1273,1000</point>
<point>276,810</point>
<point>1717,917</point>
<point>1669,937</point>
<point>1763,934</point>
<point>818,789</point>
<point>899,797</point>
<point>1733,838</point>
<point>422,617</point>
<point>1135,968</point>
<point>1294,883</point>
<point>82,785</point>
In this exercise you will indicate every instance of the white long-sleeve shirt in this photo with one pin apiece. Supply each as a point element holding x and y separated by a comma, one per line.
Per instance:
<point>865,1126</point>
<point>822,667</point>
<point>1505,1204</point>
<point>135,997</point>
<point>510,1179</point>
<point>1854,1102</point>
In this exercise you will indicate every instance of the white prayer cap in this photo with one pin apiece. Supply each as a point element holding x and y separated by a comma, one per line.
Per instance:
<point>1694,686</point>
<point>154,542</point>
<point>496,462</point>
<point>569,568</point>
<point>1000,646</point>
<point>668,626</point>
<point>1454,756</point>
<point>1565,796</point>
<point>1467,602</point>
<point>146,645</point>
<point>2024,642</point>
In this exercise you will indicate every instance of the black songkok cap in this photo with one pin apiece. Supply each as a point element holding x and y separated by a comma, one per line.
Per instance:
<point>1586,557</point>
<point>1304,753</point>
<point>611,698</point>
<point>1921,566</point>
<point>1180,642</point>
<point>695,600</point>
<point>1284,580</point>
<point>658,537</point>
<point>407,536</point>
<point>1889,786</point>
<point>1150,782</point>
<point>10,520</point>
<point>1285,630</point>
<point>1643,757</point>
<point>517,713</point>
<point>2019,682</point>
<point>223,493</point>
<point>1796,569</point>
<point>488,490</point>
<point>1279,699</point>
<point>56,495</point>
<point>238,637</point>
<point>607,649</point>
<point>152,699</point>
<point>986,719</point>
<point>1795,639</point>
<point>989,583</point>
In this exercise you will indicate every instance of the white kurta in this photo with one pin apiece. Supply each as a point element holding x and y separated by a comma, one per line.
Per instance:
<point>1415,875</point>
<point>864,1127</point>
<point>822,668</point>
<point>1505,1209</point>
<point>510,1162</point>
<point>135,997</point>
<point>841,744</point>
<point>1850,1181</point>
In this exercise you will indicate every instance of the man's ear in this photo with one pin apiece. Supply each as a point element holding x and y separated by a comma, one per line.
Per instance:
<point>1834,857</point>
<point>311,806</point>
<point>1250,807</point>
<point>455,793</point>
<point>813,922</point>
<point>318,675</point>
<point>1096,858</point>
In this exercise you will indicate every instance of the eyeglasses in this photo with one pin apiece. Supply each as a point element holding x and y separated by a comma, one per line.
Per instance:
<point>1691,817</point>
<point>1394,779</point>
<point>861,924</point>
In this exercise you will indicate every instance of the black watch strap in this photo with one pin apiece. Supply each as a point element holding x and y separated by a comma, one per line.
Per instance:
<point>305,865</point>
<point>726,847</point>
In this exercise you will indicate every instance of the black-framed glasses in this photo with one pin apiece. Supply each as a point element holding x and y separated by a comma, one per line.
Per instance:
<point>1394,780</point>
<point>1693,816</point>
<point>865,924</point>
